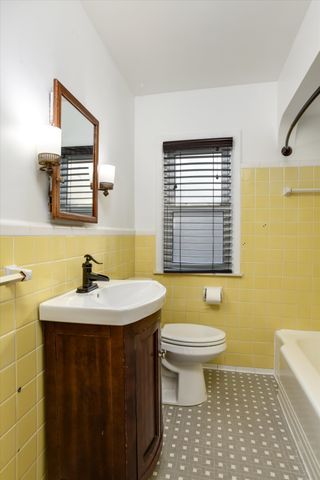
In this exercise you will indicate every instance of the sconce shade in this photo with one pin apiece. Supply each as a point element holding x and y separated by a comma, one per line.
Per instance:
<point>106,178</point>
<point>106,173</point>
<point>50,140</point>
<point>49,148</point>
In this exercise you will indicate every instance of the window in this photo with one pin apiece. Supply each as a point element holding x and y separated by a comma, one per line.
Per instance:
<point>197,228</point>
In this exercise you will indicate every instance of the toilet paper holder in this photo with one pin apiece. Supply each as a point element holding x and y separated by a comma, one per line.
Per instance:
<point>212,295</point>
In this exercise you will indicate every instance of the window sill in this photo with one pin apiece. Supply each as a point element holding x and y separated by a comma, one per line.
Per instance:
<point>228,275</point>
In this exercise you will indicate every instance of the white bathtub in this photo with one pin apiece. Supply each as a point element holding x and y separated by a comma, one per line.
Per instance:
<point>297,370</point>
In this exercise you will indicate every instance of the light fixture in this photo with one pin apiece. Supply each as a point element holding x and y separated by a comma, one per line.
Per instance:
<point>49,148</point>
<point>106,178</point>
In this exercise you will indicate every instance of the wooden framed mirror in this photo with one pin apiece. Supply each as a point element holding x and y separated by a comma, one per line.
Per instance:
<point>74,182</point>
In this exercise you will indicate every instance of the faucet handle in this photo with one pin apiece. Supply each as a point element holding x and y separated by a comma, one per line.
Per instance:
<point>90,258</point>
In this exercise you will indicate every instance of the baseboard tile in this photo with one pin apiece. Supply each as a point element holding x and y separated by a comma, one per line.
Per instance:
<point>231,368</point>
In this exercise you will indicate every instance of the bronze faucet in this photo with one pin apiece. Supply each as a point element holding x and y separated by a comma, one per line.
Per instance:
<point>88,276</point>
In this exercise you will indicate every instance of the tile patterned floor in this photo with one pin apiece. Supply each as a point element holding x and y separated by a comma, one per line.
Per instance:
<point>238,434</point>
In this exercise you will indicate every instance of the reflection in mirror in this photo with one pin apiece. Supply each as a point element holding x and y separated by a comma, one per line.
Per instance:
<point>76,195</point>
<point>74,182</point>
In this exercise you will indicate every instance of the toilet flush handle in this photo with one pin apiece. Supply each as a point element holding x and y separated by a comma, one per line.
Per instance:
<point>162,353</point>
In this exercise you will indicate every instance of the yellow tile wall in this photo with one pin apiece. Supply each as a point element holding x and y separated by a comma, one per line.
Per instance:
<point>280,262</point>
<point>56,265</point>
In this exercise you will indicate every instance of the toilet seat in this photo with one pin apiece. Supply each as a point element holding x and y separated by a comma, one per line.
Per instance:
<point>190,335</point>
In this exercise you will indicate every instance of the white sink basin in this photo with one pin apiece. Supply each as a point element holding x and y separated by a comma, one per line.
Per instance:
<point>118,302</point>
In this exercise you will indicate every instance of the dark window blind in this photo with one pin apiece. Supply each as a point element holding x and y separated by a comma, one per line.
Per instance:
<point>197,234</point>
<point>75,188</point>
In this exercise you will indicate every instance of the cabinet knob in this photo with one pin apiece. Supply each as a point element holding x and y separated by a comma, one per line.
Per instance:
<point>162,353</point>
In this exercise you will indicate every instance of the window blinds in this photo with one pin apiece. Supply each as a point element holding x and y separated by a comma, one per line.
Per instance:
<point>76,171</point>
<point>197,234</point>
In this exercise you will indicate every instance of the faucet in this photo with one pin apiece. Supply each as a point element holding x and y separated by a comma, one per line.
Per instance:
<point>88,276</point>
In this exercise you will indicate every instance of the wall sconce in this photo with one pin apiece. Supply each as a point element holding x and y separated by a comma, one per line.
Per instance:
<point>49,148</point>
<point>106,178</point>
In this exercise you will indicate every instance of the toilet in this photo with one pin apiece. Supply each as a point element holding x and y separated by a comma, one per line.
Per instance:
<point>184,348</point>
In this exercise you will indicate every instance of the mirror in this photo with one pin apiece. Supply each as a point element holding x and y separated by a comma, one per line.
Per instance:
<point>74,181</point>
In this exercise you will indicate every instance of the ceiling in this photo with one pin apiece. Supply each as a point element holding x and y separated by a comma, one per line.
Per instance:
<point>170,45</point>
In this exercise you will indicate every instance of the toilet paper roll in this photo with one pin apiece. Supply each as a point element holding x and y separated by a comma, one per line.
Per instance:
<point>213,295</point>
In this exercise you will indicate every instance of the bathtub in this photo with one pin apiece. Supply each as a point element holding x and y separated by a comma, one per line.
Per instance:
<point>297,370</point>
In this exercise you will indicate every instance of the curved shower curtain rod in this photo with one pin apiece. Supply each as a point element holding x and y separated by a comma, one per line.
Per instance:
<point>287,150</point>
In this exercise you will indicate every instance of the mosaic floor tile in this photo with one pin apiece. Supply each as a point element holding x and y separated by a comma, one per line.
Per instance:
<point>238,434</point>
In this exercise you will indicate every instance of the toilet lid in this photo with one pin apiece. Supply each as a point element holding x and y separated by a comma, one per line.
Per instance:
<point>190,334</point>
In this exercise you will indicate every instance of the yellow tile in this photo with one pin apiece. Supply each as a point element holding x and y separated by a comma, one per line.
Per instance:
<point>57,247</point>
<point>248,201</point>
<point>7,349</point>
<point>31,474</point>
<point>26,398</point>
<point>39,333</point>
<point>41,249</point>
<point>9,472</point>
<point>26,427</point>
<point>75,246</point>
<point>7,447</point>
<point>6,251</point>
<point>262,348</point>
<point>41,440</point>
<point>74,270</point>
<point>235,359</point>
<point>40,413</point>
<point>262,215</point>
<point>26,309</point>
<point>26,339</point>
<point>27,456</point>
<point>6,317</point>
<point>40,386</point>
<point>58,272</point>
<point>41,278</point>
<point>41,466</point>
<point>291,175</point>
<point>306,174</point>
<point>306,215</point>
<point>262,201</point>
<point>248,188</point>
<point>26,368</point>
<point>262,174</point>
<point>7,382</point>
<point>40,359</point>
<point>24,250</point>
<point>276,188</point>
<point>276,201</point>
<point>276,174</point>
<point>262,188</point>
<point>7,414</point>
<point>6,291</point>
<point>261,361</point>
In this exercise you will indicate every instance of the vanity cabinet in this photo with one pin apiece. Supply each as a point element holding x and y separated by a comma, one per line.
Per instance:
<point>103,400</point>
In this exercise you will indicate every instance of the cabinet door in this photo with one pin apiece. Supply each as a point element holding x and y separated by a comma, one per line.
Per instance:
<point>79,403</point>
<point>148,395</point>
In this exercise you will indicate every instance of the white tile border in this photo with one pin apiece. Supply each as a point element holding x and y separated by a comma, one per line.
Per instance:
<point>22,228</point>
<point>231,368</point>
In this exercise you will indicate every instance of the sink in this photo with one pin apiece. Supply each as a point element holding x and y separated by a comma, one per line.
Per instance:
<point>118,302</point>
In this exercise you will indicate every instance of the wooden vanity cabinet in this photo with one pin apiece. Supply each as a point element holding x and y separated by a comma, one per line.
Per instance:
<point>103,400</point>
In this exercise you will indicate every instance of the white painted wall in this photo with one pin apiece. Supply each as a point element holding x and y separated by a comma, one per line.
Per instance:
<point>303,53</point>
<point>299,78</point>
<point>249,110</point>
<point>55,39</point>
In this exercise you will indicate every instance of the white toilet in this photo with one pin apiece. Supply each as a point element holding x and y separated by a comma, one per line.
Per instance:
<point>185,347</point>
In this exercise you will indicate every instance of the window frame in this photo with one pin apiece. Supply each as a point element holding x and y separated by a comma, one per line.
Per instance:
<point>236,210</point>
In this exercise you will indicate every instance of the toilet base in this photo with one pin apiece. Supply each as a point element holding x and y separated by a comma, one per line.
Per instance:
<point>185,386</point>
